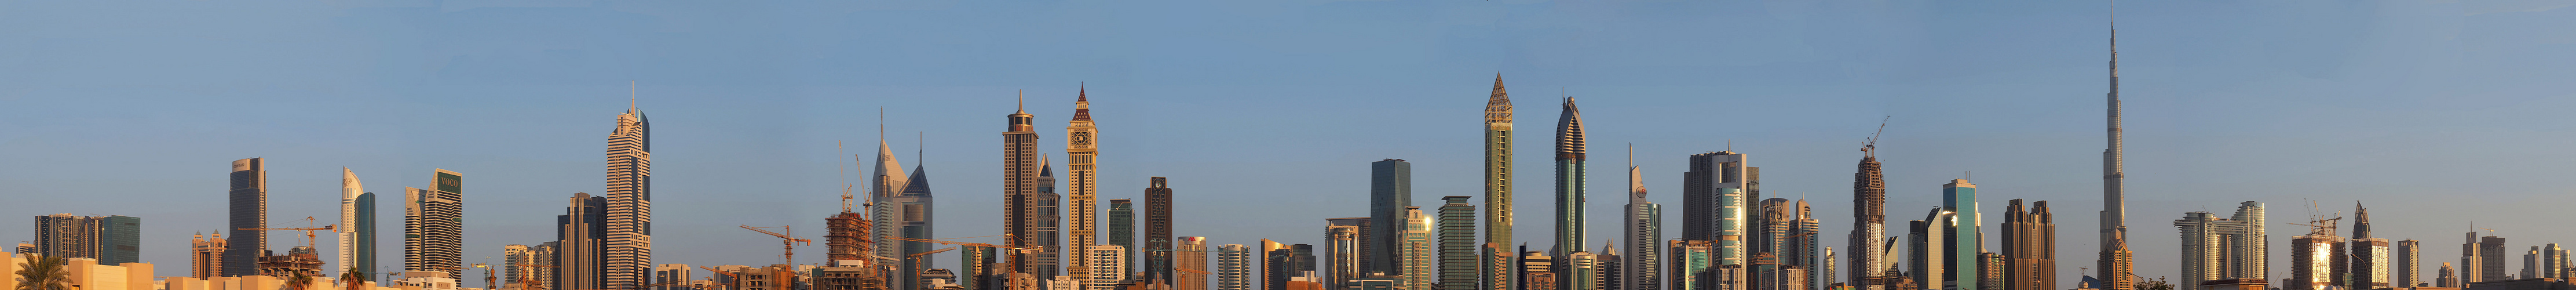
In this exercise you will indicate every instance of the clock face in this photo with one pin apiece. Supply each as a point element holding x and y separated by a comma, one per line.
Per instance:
<point>1639,194</point>
<point>1081,138</point>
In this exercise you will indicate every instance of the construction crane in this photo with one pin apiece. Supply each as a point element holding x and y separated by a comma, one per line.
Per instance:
<point>789,241</point>
<point>487,274</point>
<point>919,265</point>
<point>2318,224</point>
<point>965,244</point>
<point>529,282</point>
<point>308,230</point>
<point>1872,145</point>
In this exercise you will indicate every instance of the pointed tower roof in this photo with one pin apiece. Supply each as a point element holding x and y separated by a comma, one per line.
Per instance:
<point>1569,132</point>
<point>1082,103</point>
<point>1046,168</point>
<point>919,184</point>
<point>350,188</point>
<point>1498,108</point>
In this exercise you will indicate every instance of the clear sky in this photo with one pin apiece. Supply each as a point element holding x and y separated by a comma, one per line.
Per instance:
<point>1265,114</point>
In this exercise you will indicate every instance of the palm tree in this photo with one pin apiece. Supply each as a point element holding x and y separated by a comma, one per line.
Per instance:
<point>297,280</point>
<point>355,278</point>
<point>45,273</point>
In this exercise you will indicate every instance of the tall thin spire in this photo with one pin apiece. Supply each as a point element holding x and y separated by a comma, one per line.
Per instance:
<point>2115,260</point>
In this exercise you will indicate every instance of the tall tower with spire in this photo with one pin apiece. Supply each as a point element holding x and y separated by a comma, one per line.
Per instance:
<point>1569,182</point>
<point>916,203</point>
<point>883,187</point>
<point>1080,151</point>
<point>629,242</point>
<point>2115,264</point>
<point>1019,191</point>
<point>1498,165</point>
<point>357,223</point>
<point>1644,235</point>
<point>2367,267</point>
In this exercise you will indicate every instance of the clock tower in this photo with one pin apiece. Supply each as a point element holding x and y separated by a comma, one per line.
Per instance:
<point>1081,148</point>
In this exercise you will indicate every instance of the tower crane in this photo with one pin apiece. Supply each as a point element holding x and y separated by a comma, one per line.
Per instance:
<point>789,241</point>
<point>308,230</point>
<point>919,265</point>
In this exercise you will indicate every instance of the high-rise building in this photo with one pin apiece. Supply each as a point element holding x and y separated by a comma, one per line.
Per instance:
<point>1415,256</point>
<point>205,255</point>
<point>1932,251</point>
<point>1342,249</point>
<point>848,237</point>
<point>434,226</point>
<point>1991,270</point>
<point>1691,265</point>
<point>1869,224</point>
<point>249,196</point>
<point>2366,264</point>
<point>1644,234</point>
<point>2216,248</point>
<point>1049,218</point>
<point>1158,230</point>
<point>1280,262</point>
<point>673,276</point>
<point>1109,266</point>
<point>517,266</point>
<point>2030,247</point>
<point>1191,254</point>
<point>580,251</point>
<point>1537,271</point>
<point>1019,192</point>
<point>2550,260</point>
<point>1786,239</point>
<point>2447,277</point>
<point>1390,192</point>
<point>1081,184</point>
<point>1455,234</point>
<point>2114,264</point>
<point>1498,169</point>
<point>545,256</point>
<point>1233,267</point>
<point>1825,274</point>
<point>2409,265</point>
<point>2312,260</point>
<point>2482,259</point>
<point>917,216</point>
<point>1122,230</point>
<point>1960,198</point>
<point>1569,182</point>
<point>1497,266</point>
<point>1578,270</point>
<point>357,237</point>
<point>67,235</point>
<point>976,267</point>
<point>629,239</point>
<point>1611,267</point>
<point>852,236</point>
<point>1716,205</point>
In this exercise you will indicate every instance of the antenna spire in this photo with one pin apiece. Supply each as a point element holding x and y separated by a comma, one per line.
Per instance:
<point>630,96</point>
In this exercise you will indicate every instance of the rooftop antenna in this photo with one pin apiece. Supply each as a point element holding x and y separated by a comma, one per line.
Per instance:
<point>1870,149</point>
<point>630,95</point>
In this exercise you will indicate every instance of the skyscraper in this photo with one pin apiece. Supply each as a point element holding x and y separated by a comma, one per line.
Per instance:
<point>885,185</point>
<point>1960,198</point>
<point>2114,266</point>
<point>1869,223</point>
<point>1280,262</point>
<point>110,239</point>
<point>1415,257</point>
<point>629,240</point>
<point>1569,182</point>
<point>1691,264</point>
<point>916,206</point>
<point>1932,250</point>
<point>1716,204</point>
<point>1049,222</point>
<point>249,198</point>
<point>1158,230</point>
<point>1234,267</point>
<point>1537,271</point>
<point>1390,192</point>
<point>1825,276</point>
<point>1109,266</point>
<point>1122,230</point>
<point>2224,248</point>
<point>1456,234</point>
<point>2030,247</point>
<point>512,273</point>
<point>581,243</point>
<point>2482,260</point>
<point>1644,234</point>
<point>1190,253</point>
<point>1342,249</point>
<point>2410,261</point>
<point>357,235</point>
<point>1080,183</point>
<point>2312,259</point>
<point>1019,191</point>
<point>2447,277</point>
<point>2367,264</point>
<point>1498,165</point>
<point>205,255</point>
<point>434,226</point>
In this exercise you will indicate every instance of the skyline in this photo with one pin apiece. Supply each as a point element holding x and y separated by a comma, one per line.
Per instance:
<point>1804,158</point>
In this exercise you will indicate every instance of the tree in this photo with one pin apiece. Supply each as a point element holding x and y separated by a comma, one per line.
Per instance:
<point>355,278</point>
<point>45,273</point>
<point>297,280</point>
<point>2157,284</point>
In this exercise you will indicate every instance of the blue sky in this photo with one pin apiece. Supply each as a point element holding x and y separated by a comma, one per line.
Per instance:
<point>1265,113</point>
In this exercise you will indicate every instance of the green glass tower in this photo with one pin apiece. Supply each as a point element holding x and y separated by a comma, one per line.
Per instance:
<point>1960,198</point>
<point>1498,165</point>
<point>1569,183</point>
<point>1457,244</point>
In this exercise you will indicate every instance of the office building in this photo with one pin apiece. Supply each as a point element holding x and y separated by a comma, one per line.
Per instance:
<point>1233,267</point>
<point>2029,247</point>
<point>2215,248</point>
<point>2114,264</point>
<point>1498,165</point>
<point>1190,254</point>
<point>2410,260</point>
<point>1390,192</point>
<point>1122,229</point>
<point>1868,238</point>
<point>2312,260</point>
<point>1416,260</point>
<point>1081,184</point>
<point>434,226</point>
<point>1960,198</point>
<point>1644,234</point>
<point>851,236</point>
<point>518,265</point>
<point>1578,270</point>
<point>916,224</point>
<point>2366,265</point>
<point>1049,218</point>
<point>249,197</point>
<point>1569,180</point>
<point>673,276</point>
<point>1158,230</point>
<point>357,235</point>
<point>1691,264</point>
<point>1280,262</point>
<point>1019,192</point>
<point>1716,202</point>
<point>110,239</point>
<point>1932,250</point>
<point>1786,240</point>
<point>581,235</point>
<point>205,255</point>
<point>1496,264</point>
<point>1455,241</point>
<point>977,266</point>
<point>1537,271</point>
<point>2482,259</point>
<point>2545,261</point>
<point>1342,249</point>
<point>1825,272</point>
<point>2446,277</point>
<point>1109,266</point>
<point>1991,270</point>
<point>628,242</point>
